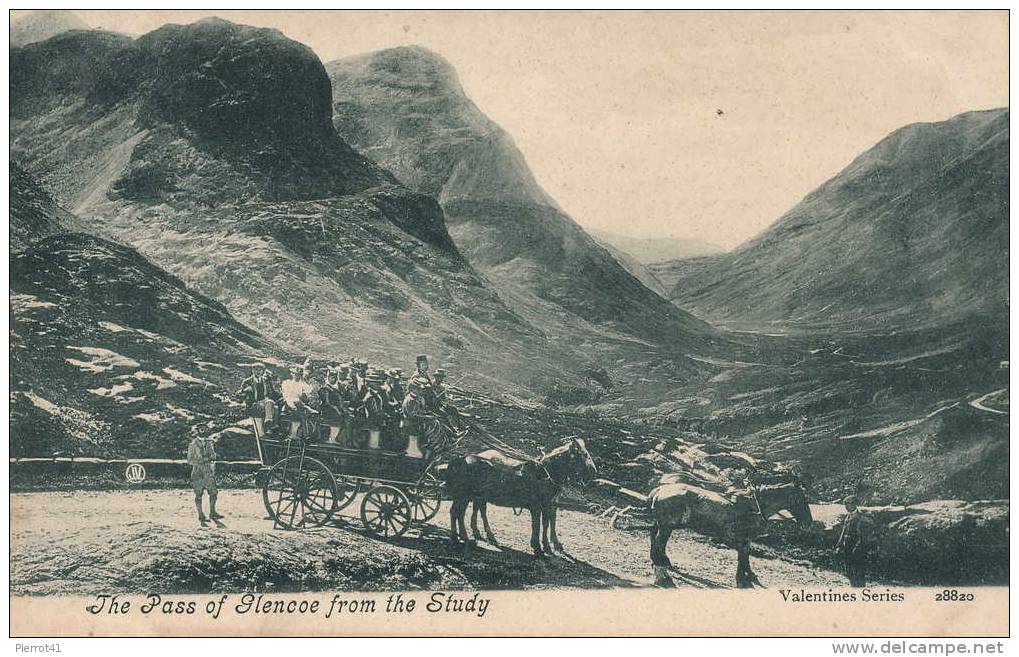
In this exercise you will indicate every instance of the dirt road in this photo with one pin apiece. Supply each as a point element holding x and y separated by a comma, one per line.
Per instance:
<point>139,541</point>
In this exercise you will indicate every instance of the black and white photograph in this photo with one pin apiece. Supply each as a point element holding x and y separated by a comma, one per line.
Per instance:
<point>461,309</point>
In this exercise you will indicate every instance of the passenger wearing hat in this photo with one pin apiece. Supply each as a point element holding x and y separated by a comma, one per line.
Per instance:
<point>442,405</point>
<point>394,385</point>
<point>348,401</point>
<point>439,389</point>
<point>309,377</point>
<point>259,394</point>
<point>297,396</point>
<point>358,372</point>
<point>417,404</point>
<point>330,404</point>
<point>418,397</point>
<point>393,393</point>
<point>275,393</point>
<point>372,408</point>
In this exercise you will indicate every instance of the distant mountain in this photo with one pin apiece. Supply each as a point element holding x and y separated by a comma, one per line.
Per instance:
<point>913,231</point>
<point>210,149</point>
<point>405,109</point>
<point>639,270</point>
<point>657,249</point>
<point>42,24</point>
<point>110,355</point>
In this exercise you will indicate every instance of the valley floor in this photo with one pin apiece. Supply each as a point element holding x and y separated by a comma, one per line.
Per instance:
<point>85,542</point>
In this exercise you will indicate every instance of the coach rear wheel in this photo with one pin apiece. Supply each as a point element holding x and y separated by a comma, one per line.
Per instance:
<point>386,512</point>
<point>300,492</point>
<point>424,498</point>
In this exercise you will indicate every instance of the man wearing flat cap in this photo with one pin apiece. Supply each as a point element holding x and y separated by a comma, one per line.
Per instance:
<point>852,543</point>
<point>202,459</point>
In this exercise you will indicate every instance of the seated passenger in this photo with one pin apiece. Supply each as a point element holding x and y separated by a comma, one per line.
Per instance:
<point>297,397</point>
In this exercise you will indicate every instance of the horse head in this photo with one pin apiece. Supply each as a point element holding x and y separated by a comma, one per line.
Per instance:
<point>791,497</point>
<point>583,464</point>
<point>798,505</point>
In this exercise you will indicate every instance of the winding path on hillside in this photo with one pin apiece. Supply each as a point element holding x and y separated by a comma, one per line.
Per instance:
<point>978,403</point>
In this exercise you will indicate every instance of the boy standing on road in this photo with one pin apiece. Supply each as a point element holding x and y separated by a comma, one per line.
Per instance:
<point>202,458</point>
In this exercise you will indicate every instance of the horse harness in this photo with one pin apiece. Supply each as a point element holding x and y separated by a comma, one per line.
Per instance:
<point>753,494</point>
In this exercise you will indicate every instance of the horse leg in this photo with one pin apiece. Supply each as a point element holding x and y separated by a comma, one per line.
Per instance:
<point>462,523</point>
<point>659,558</point>
<point>452,522</point>
<point>457,510</point>
<point>744,575</point>
<point>536,531</point>
<point>474,520</point>
<point>489,535</point>
<point>664,534</point>
<point>553,512</point>
<point>544,530</point>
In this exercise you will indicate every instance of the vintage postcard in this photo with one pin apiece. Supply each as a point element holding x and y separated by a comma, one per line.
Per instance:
<point>678,323</point>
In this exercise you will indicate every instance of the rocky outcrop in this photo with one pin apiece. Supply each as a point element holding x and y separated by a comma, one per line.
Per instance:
<point>939,542</point>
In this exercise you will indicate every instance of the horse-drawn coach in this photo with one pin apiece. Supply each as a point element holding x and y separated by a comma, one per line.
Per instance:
<point>306,481</point>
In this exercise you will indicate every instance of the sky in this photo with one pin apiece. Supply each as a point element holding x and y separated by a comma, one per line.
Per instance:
<point>705,125</point>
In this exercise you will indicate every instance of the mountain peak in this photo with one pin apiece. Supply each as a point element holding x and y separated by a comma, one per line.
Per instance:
<point>407,66</point>
<point>405,109</point>
<point>250,106</point>
<point>909,231</point>
<point>43,24</point>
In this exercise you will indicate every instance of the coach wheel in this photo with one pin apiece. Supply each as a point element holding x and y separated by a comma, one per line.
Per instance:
<point>300,492</point>
<point>386,512</point>
<point>424,498</point>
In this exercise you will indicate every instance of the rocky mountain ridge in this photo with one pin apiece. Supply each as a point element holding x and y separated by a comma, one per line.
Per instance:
<point>913,231</point>
<point>405,109</point>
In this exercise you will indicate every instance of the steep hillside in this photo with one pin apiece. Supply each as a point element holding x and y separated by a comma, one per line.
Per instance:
<point>914,231</point>
<point>33,214</point>
<point>42,24</point>
<point>110,355</point>
<point>405,109</point>
<point>658,249</point>
<point>210,149</point>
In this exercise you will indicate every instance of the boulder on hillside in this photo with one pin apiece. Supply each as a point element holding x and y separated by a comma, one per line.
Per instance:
<point>939,542</point>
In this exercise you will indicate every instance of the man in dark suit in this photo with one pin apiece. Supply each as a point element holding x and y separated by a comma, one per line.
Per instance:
<point>259,394</point>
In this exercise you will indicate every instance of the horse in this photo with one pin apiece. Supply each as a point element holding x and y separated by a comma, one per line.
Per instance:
<point>735,519</point>
<point>493,477</point>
